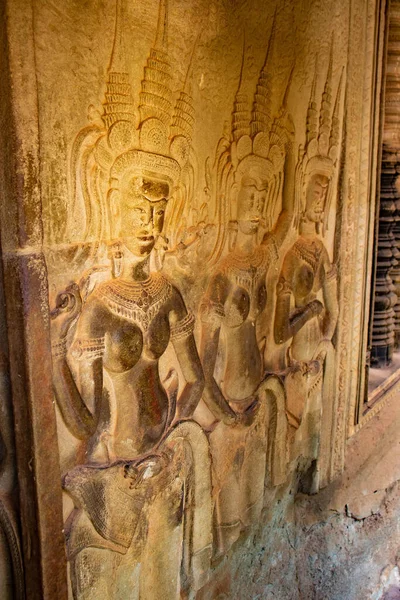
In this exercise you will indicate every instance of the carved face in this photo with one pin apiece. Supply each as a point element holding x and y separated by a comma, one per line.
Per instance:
<point>316,197</point>
<point>142,204</point>
<point>250,204</point>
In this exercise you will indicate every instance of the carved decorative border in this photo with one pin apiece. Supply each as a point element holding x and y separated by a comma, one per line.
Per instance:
<point>357,199</point>
<point>369,177</point>
<point>377,40</point>
<point>385,395</point>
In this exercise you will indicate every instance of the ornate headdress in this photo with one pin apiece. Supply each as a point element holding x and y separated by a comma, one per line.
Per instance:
<point>255,146</point>
<point>319,155</point>
<point>158,147</point>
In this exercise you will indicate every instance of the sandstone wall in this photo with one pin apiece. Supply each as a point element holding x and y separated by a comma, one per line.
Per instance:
<point>187,215</point>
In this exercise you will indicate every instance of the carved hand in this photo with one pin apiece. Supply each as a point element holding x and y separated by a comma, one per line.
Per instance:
<point>321,350</point>
<point>311,367</point>
<point>217,404</point>
<point>147,469</point>
<point>68,306</point>
<point>246,418</point>
<point>316,307</point>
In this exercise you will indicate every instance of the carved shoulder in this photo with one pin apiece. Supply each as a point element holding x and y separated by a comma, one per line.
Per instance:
<point>289,265</point>
<point>92,322</point>
<point>219,284</point>
<point>178,308</point>
<point>329,268</point>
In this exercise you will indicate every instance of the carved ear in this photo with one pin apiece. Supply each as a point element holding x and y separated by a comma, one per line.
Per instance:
<point>233,201</point>
<point>232,234</point>
<point>114,213</point>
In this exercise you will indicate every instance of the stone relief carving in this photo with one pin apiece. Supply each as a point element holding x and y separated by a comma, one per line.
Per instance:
<point>307,306</point>
<point>143,494</point>
<point>158,347</point>
<point>248,444</point>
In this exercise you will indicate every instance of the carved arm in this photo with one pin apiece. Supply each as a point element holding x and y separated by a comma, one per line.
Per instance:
<point>288,323</point>
<point>331,312</point>
<point>74,411</point>
<point>288,197</point>
<point>212,313</point>
<point>78,418</point>
<point>182,326</point>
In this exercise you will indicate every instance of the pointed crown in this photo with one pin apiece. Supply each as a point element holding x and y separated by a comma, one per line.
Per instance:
<point>319,155</point>
<point>250,129</point>
<point>257,140</point>
<point>158,147</point>
<point>255,146</point>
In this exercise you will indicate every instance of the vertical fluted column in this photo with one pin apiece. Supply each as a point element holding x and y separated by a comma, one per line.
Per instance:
<point>392,83</point>
<point>383,329</point>
<point>395,272</point>
<point>392,139</point>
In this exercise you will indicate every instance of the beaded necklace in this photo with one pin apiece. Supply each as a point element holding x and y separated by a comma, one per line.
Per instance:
<point>136,301</point>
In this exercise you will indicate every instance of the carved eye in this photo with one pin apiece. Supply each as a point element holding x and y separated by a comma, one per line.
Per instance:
<point>160,212</point>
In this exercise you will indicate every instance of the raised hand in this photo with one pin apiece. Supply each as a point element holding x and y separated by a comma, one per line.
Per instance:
<point>67,308</point>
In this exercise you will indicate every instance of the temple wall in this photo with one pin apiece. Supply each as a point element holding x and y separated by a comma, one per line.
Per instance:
<point>188,197</point>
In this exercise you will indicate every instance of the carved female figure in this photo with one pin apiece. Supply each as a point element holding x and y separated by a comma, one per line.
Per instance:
<point>234,301</point>
<point>144,488</point>
<point>307,273</point>
<point>307,307</point>
<point>237,295</point>
<point>123,328</point>
<point>245,404</point>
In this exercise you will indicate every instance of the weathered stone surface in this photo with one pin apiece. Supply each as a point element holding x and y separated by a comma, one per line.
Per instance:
<point>314,548</point>
<point>184,221</point>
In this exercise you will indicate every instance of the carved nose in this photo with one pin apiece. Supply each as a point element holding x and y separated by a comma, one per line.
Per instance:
<point>147,218</point>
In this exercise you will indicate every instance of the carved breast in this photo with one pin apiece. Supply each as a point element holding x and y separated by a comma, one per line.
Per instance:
<point>241,306</point>
<point>248,295</point>
<point>236,308</point>
<point>126,343</point>
<point>307,273</point>
<point>136,322</point>
<point>303,281</point>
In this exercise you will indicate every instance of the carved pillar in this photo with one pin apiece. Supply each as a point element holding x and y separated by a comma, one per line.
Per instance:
<point>395,273</point>
<point>11,571</point>
<point>26,340</point>
<point>391,137</point>
<point>392,83</point>
<point>383,332</point>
